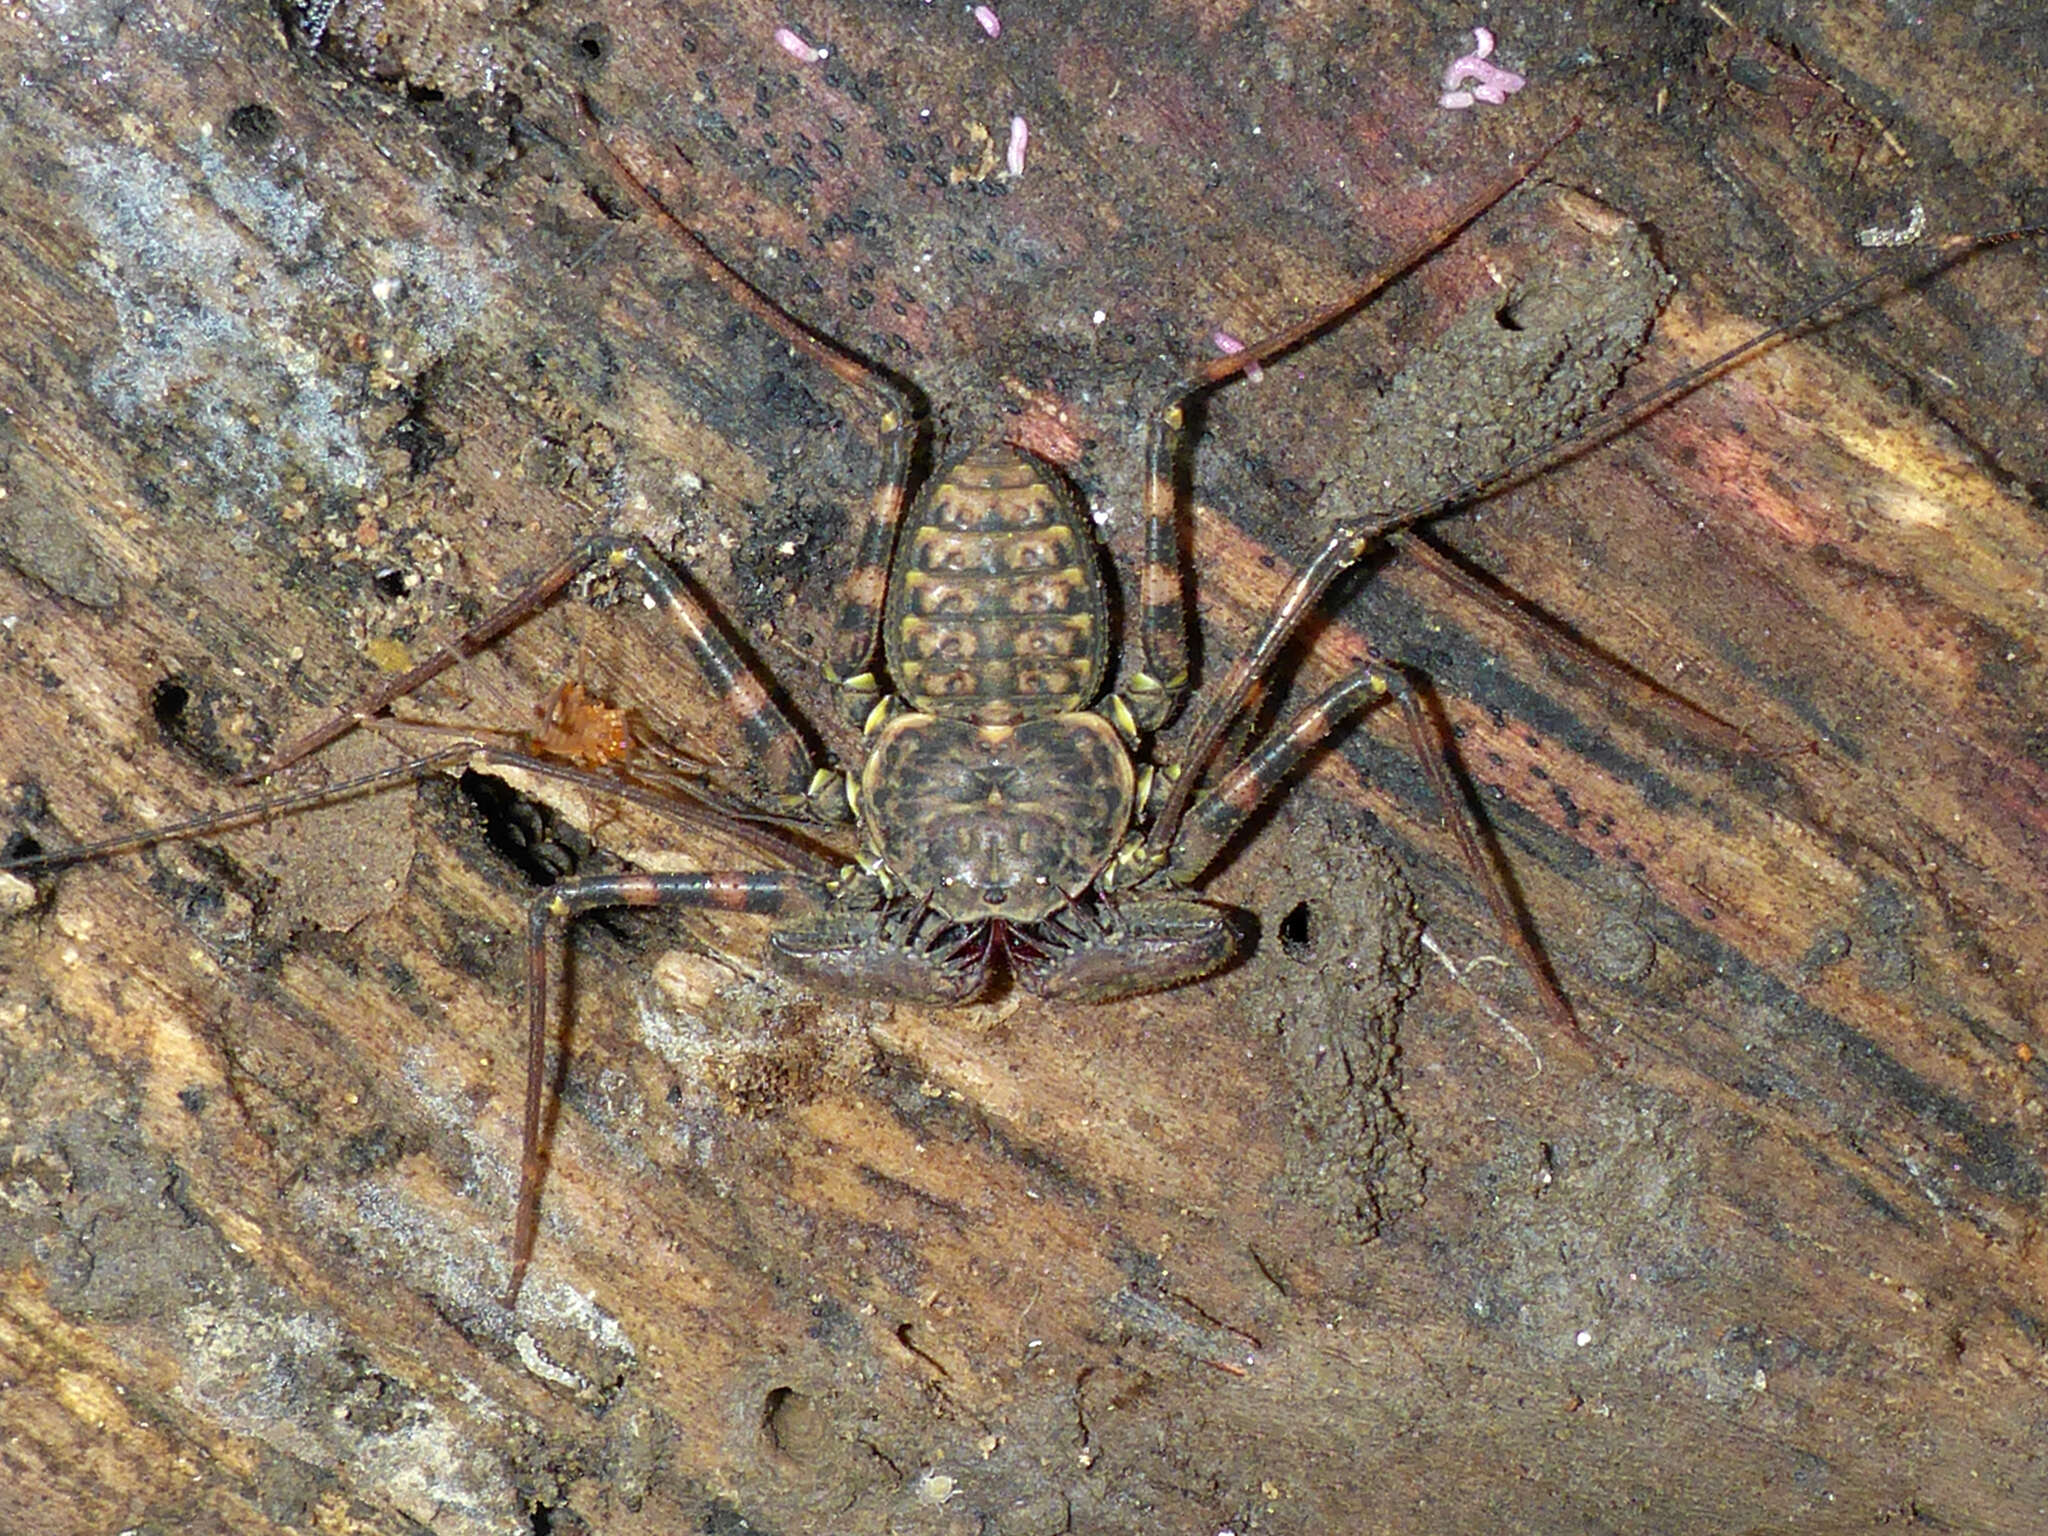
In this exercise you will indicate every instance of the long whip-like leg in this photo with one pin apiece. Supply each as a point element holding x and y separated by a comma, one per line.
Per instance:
<point>252,814</point>
<point>1156,692</point>
<point>522,606</point>
<point>1347,543</point>
<point>784,755</point>
<point>683,803</point>
<point>1219,815</point>
<point>772,893</point>
<point>899,410</point>
<point>1544,630</point>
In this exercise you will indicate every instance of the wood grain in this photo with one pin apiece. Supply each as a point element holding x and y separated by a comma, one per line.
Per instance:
<point>308,352</point>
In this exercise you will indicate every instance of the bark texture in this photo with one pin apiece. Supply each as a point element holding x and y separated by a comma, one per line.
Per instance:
<point>317,331</point>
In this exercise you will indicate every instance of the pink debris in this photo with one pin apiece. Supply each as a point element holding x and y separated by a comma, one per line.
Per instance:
<point>991,23</point>
<point>796,47</point>
<point>1020,136</point>
<point>1230,346</point>
<point>1493,84</point>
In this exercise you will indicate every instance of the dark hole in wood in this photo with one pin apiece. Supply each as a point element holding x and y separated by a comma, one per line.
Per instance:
<point>167,704</point>
<point>253,125</point>
<point>1297,932</point>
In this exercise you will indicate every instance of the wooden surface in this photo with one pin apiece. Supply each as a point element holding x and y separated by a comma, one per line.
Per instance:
<point>305,354</point>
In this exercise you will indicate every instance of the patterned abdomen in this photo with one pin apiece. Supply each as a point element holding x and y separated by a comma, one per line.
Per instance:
<point>996,612</point>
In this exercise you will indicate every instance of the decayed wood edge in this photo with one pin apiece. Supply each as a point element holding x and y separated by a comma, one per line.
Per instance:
<point>316,621</point>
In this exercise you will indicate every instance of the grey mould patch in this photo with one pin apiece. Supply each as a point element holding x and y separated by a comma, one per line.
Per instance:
<point>289,1380</point>
<point>234,386</point>
<point>215,282</point>
<point>313,18</point>
<point>286,223</point>
<point>1341,954</point>
<point>443,292</point>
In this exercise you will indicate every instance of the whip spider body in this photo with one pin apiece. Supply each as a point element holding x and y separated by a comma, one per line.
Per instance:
<point>1005,816</point>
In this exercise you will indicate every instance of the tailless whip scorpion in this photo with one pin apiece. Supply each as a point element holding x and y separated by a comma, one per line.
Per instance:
<point>1005,818</point>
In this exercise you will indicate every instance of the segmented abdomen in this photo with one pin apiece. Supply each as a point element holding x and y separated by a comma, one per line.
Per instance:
<point>996,612</point>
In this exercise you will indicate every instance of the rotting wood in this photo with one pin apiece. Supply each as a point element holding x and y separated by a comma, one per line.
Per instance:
<point>1024,1268</point>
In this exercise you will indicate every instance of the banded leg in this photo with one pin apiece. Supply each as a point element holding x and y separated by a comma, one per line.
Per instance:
<point>1222,707</point>
<point>682,802</point>
<point>856,632</point>
<point>782,752</point>
<point>1561,639</point>
<point>786,765</point>
<point>1156,692</point>
<point>1220,815</point>
<point>771,894</point>
<point>850,657</point>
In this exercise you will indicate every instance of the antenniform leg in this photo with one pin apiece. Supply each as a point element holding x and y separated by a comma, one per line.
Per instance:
<point>850,657</point>
<point>1156,692</point>
<point>775,893</point>
<point>698,807</point>
<point>1561,639</point>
